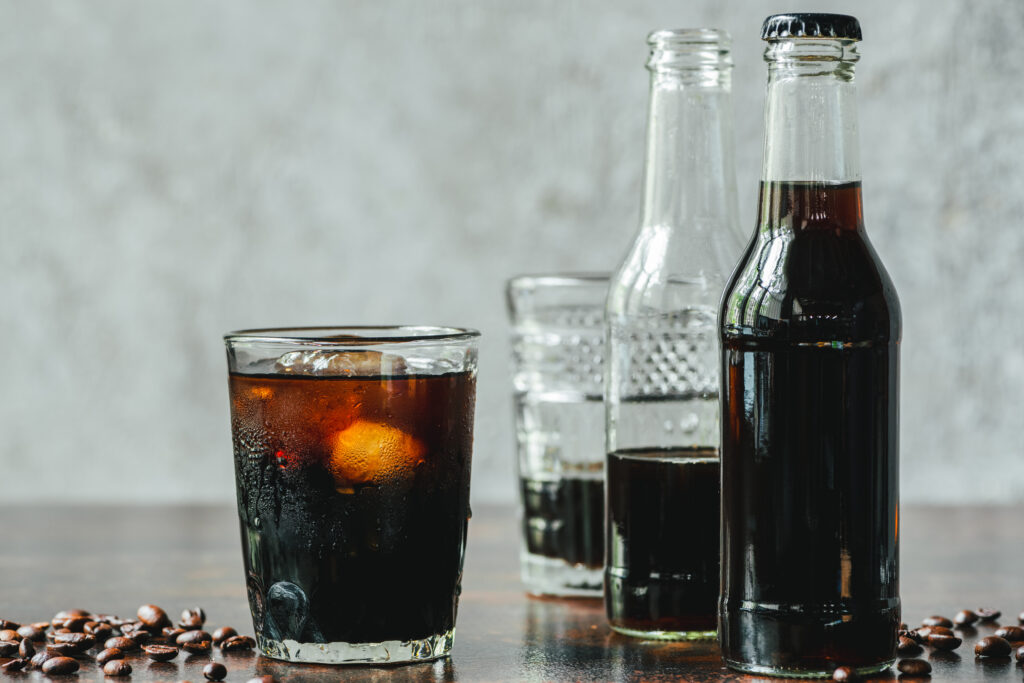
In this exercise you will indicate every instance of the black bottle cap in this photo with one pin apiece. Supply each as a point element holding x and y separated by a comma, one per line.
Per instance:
<point>811,25</point>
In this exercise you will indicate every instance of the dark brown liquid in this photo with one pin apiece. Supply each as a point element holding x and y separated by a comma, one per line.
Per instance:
<point>663,535</point>
<point>353,496</point>
<point>810,335</point>
<point>564,519</point>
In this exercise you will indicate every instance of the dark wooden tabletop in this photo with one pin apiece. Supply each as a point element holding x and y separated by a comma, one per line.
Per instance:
<point>112,559</point>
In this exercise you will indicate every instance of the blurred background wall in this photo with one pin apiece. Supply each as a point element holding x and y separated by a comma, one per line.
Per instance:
<point>174,170</point>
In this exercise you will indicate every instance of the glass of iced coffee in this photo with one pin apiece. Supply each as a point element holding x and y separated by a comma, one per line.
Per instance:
<point>352,455</point>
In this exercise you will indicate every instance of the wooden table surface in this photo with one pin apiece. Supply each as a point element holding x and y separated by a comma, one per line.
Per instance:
<point>112,559</point>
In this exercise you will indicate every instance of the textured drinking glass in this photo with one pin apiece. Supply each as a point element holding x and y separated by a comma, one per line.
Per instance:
<point>558,356</point>
<point>352,457</point>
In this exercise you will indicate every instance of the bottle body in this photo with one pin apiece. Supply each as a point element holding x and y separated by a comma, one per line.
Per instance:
<point>810,382</point>
<point>661,382</point>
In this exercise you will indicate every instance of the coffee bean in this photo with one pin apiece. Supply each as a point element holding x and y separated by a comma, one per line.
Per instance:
<point>117,667</point>
<point>161,653</point>
<point>192,637</point>
<point>109,654</point>
<point>141,637</point>
<point>14,665</point>
<point>192,619</point>
<point>8,648</point>
<point>10,634</point>
<point>985,614</point>
<point>63,649</point>
<point>215,671</point>
<point>941,641</point>
<point>30,632</point>
<point>965,617</point>
<point>222,634</point>
<point>1018,654</point>
<point>1014,634</point>
<point>843,673</point>
<point>237,643</point>
<point>76,624</point>
<point>98,630</point>
<point>26,649</point>
<point>83,641</point>
<point>40,658</point>
<point>121,643</point>
<point>914,667</point>
<point>130,627</point>
<point>907,647</point>
<point>197,646</point>
<point>172,632</point>
<point>68,613</point>
<point>937,621</point>
<point>1020,617</point>
<point>992,646</point>
<point>153,616</point>
<point>271,679</point>
<point>59,666</point>
<point>9,625</point>
<point>41,625</point>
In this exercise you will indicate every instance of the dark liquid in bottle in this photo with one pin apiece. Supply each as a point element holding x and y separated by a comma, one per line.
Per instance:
<point>353,497</point>
<point>663,536</point>
<point>809,441</point>
<point>564,519</point>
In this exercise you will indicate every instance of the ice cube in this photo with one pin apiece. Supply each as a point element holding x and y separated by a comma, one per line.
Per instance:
<point>347,363</point>
<point>368,452</point>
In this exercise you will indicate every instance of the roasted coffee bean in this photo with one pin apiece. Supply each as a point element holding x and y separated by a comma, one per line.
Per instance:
<point>907,647</point>
<point>109,654</point>
<point>237,643</point>
<point>914,635</point>
<point>965,617</point>
<point>76,624</point>
<point>130,627</point>
<point>1014,634</point>
<point>941,641</point>
<point>60,665</point>
<point>153,616</point>
<point>98,630</point>
<point>141,637</point>
<point>843,673</point>
<point>26,649</point>
<point>914,667</point>
<point>192,637</point>
<point>68,613</point>
<point>222,634</point>
<point>30,632</point>
<point>192,619</point>
<point>1018,654</point>
<point>937,621</point>
<point>40,658</point>
<point>14,665</point>
<point>215,671</point>
<point>81,640</point>
<point>160,653</point>
<point>9,625</point>
<point>196,647</point>
<point>103,618</point>
<point>985,614</point>
<point>122,643</point>
<point>10,634</point>
<point>992,646</point>
<point>172,632</point>
<point>117,667</point>
<point>63,649</point>
<point>41,625</point>
<point>271,679</point>
<point>8,648</point>
<point>1020,618</point>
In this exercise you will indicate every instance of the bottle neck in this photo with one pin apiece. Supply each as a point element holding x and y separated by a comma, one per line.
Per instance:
<point>689,177</point>
<point>811,112</point>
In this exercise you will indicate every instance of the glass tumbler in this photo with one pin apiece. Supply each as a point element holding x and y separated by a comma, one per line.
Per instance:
<point>558,364</point>
<point>352,455</point>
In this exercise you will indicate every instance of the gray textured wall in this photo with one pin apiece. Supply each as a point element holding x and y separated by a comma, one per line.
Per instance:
<point>173,170</point>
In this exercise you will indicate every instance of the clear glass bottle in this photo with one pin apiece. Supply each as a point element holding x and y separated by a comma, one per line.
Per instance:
<point>661,381</point>
<point>810,364</point>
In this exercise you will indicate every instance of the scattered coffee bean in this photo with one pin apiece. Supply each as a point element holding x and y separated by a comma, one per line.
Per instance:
<point>130,627</point>
<point>109,654</point>
<point>14,665</point>
<point>965,617</point>
<point>141,637</point>
<point>192,637</point>
<point>237,643</point>
<point>271,679</point>
<point>83,641</point>
<point>98,630</point>
<point>26,649</point>
<point>192,619</point>
<point>76,624</point>
<point>937,621</point>
<point>215,671</point>
<point>1014,634</point>
<point>161,653</point>
<point>9,625</point>
<point>172,632</point>
<point>153,616</point>
<point>68,613</point>
<point>197,646</point>
<point>8,648</point>
<point>907,647</point>
<point>117,667</point>
<point>985,614</point>
<point>40,658</point>
<point>1018,654</point>
<point>59,666</point>
<point>1020,618</point>
<point>10,634</point>
<point>63,649</point>
<point>30,632</point>
<point>941,641</point>
<point>41,625</point>
<point>843,673</point>
<point>222,634</point>
<point>914,667</point>
<point>121,643</point>
<point>992,646</point>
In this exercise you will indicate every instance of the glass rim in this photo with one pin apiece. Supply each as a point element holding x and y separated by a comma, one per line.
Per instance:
<point>558,279</point>
<point>344,336</point>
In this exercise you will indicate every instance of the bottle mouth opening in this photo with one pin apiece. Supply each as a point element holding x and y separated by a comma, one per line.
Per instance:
<point>694,38</point>
<point>689,49</point>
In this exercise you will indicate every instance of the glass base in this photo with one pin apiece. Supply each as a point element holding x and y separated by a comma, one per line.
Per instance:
<point>783,672</point>
<point>388,652</point>
<point>666,635</point>
<point>550,576</point>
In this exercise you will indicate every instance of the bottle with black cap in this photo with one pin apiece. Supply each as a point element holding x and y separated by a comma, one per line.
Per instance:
<point>810,332</point>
